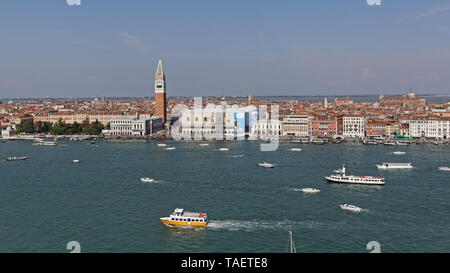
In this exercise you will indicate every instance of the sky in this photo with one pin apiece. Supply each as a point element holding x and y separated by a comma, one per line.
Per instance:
<point>224,47</point>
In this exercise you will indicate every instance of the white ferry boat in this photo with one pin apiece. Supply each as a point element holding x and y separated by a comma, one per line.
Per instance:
<point>350,207</point>
<point>340,177</point>
<point>179,217</point>
<point>266,165</point>
<point>444,169</point>
<point>147,180</point>
<point>310,190</point>
<point>395,165</point>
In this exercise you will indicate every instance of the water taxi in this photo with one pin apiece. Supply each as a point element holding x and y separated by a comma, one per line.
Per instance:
<point>17,158</point>
<point>310,190</point>
<point>444,169</point>
<point>266,165</point>
<point>179,217</point>
<point>340,177</point>
<point>395,166</point>
<point>350,207</point>
<point>147,180</point>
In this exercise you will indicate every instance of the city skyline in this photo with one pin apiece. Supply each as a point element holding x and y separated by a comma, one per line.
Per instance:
<point>227,49</point>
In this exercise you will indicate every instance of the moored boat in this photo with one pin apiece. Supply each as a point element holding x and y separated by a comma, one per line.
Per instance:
<point>341,177</point>
<point>179,217</point>
<point>170,148</point>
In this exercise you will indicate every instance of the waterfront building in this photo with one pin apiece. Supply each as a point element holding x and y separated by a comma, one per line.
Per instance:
<point>296,125</point>
<point>397,130</point>
<point>266,128</point>
<point>323,126</point>
<point>71,117</point>
<point>7,132</point>
<point>160,92</point>
<point>134,126</point>
<point>376,128</point>
<point>436,128</point>
<point>353,126</point>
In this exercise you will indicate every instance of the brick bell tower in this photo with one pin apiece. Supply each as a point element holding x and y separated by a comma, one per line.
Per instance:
<point>160,92</point>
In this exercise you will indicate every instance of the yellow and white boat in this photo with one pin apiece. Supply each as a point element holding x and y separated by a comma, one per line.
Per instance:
<point>179,217</point>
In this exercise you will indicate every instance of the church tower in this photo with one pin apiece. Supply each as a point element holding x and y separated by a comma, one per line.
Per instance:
<point>160,92</point>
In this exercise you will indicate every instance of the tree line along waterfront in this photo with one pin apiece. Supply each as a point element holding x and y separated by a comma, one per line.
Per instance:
<point>28,126</point>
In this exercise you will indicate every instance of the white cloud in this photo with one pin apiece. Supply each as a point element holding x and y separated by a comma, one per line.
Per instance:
<point>134,42</point>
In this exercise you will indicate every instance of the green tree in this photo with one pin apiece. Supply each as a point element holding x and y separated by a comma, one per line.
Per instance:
<point>26,126</point>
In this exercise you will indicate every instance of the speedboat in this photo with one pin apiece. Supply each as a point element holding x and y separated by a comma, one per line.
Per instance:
<point>162,144</point>
<point>310,190</point>
<point>341,177</point>
<point>170,148</point>
<point>395,165</point>
<point>444,169</point>
<point>147,180</point>
<point>399,153</point>
<point>76,161</point>
<point>266,165</point>
<point>223,149</point>
<point>350,207</point>
<point>296,149</point>
<point>17,158</point>
<point>179,217</point>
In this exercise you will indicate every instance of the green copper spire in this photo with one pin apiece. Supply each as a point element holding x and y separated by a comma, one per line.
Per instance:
<point>160,70</point>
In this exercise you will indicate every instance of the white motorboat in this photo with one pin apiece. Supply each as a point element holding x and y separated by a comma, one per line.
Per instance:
<point>204,144</point>
<point>310,190</point>
<point>266,165</point>
<point>296,149</point>
<point>147,180</point>
<point>76,161</point>
<point>170,148</point>
<point>444,169</point>
<point>223,149</point>
<point>399,153</point>
<point>341,177</point>
<point>395,165</point>
<point>162,144</point>
<point>350,207</point>
<point>47,143</point>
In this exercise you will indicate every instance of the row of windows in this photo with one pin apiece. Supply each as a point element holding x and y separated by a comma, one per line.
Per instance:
<point>187,220</point>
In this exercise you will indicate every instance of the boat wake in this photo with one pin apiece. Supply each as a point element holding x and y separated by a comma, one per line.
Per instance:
<point>242,225</point>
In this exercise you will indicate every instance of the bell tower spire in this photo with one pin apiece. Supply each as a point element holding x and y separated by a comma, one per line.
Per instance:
<point>160,92</point>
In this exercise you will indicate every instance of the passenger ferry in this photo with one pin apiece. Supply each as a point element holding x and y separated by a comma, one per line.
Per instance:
<point>179,217</point>
<point>340,177</point>
<point>395,166</point>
